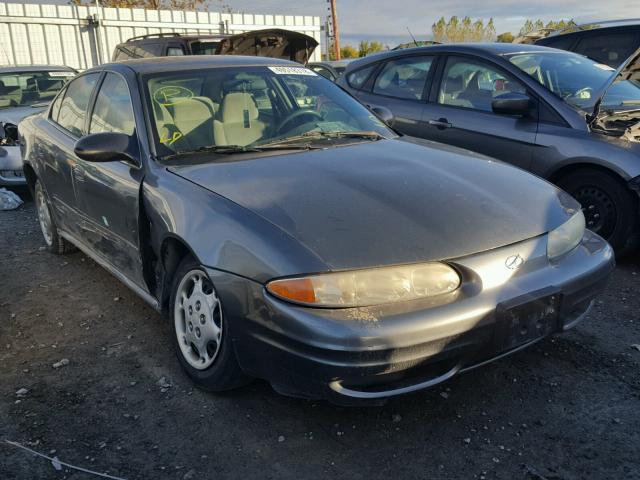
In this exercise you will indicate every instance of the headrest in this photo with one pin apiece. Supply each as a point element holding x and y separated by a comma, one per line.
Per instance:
<point>236,104</point>
<point>453,85</point>
<point>244,83</point>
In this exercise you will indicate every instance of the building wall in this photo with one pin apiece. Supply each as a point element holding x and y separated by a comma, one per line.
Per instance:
<point>69,35</point>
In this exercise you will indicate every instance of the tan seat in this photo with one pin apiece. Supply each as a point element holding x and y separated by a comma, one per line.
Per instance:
<point>193,118</point>
<point>240,124</point>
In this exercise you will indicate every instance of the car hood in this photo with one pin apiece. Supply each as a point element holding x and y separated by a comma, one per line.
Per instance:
<point>628,70</point>
<point>388,202</point>
<point>273,43</point>
<point>15,115</point>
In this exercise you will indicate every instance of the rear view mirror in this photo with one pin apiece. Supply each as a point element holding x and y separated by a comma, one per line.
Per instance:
<point>511,103</point>
<point>107,147</point>
<point>384,114</point>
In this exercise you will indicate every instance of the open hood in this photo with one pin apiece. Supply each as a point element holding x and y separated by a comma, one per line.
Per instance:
<point>628,70</point>
<point>273,43</point>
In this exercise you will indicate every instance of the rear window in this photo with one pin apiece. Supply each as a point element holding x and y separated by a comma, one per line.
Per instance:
<point>611,49</point>
<point>358,78</point>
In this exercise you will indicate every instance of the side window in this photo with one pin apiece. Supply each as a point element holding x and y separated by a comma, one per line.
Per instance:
<point>472,84</point>
<point>147,50</point>
<point>113,111</point>
<point>326,73</point>
<point>404,78</point>
<point>73,108</point>
<point>611,49</point>
<point>358,78</point>
<point>55,106</point>
<point>175,51</point>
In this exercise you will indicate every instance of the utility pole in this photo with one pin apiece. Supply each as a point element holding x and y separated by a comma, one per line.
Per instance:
<point>336,31</point>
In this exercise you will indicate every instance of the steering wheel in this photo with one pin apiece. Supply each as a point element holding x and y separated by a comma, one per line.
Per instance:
<point>294,115</point>
<point>578,93</point>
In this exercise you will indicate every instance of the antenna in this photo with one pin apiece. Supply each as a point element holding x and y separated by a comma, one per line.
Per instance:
<point>412,37</point>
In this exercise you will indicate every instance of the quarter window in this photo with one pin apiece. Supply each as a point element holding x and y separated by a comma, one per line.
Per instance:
<point>175,51</point>
<point>404,78</point>
<point>472,84</point>
<point>73,109</point>
<point>358,78</point>
<point>113,111</point>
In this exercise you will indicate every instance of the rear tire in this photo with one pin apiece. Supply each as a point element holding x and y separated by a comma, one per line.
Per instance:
<point>610,209</point>
<point>200,332</point>
<point>54,242</point>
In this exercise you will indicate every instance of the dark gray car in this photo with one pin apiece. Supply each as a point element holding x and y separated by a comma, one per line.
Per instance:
<point>534,107</point>
<point>289,235</point>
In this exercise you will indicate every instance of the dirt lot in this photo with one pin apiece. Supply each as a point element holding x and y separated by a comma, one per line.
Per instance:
<point>569,408</point>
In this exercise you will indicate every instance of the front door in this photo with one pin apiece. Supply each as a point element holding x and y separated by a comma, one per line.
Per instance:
<point>108,193</point>
<point>460,112</point>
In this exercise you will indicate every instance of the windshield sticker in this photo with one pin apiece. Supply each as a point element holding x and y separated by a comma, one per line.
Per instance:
<point>61,74</point>
<point>601,66</point>
<point>166,140</point>
<point>170,95</point>
<point>293,71</point>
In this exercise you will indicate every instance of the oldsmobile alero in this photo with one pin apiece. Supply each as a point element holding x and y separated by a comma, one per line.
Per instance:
<point>290,235</point>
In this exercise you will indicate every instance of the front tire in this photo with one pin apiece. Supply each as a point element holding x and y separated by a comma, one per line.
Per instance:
<point>610,209</point>
<point>200,331</point>
<point>54,242</point>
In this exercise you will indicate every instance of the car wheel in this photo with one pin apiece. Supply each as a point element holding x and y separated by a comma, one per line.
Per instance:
<point>200,331</point>
<point>610,209</point>
<point>55,243</point>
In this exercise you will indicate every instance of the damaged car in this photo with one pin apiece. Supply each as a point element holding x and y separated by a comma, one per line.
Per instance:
<point>288,234</point>
<point>557,114</point>
<point>270,42</point>
<point>23,92</point>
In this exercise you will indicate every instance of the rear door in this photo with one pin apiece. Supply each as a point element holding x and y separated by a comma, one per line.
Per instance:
<point>459,111</point>
<point>66,125</point>
<point>108,193</point>
<point>401,86</point>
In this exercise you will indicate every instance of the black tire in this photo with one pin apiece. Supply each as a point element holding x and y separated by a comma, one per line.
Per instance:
<point>225,372</point>
<point>610,209</point>
<point>52,239</point>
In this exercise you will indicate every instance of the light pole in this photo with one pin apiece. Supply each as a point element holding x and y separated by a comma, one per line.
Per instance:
<point>336,31</point>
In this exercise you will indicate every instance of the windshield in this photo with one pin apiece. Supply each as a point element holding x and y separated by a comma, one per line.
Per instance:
<point>577,79</point>
<point>253,107</point>
<point>27,88</point>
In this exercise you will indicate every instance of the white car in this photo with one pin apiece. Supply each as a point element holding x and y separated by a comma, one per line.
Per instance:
<point>23,91</point>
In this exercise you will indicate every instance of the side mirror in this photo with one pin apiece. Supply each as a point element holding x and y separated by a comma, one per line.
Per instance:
<point>512,103</point>
<point>384,114</point>
<point>107,147</point>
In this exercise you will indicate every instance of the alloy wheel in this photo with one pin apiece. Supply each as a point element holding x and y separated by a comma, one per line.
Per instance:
<point>44,217</point>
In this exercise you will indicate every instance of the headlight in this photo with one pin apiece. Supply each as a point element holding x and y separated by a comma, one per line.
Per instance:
<point>361,288</point>
<point>566,237</point>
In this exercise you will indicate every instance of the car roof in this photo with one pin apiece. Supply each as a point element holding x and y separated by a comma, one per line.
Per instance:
<point>473,48</point>
<point>193,62</point>
<point>583,27</point>
<point>34,68</point>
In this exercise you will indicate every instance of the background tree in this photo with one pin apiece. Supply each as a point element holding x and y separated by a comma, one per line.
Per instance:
<point>365,48</point>
<point>465,30</point>
<point>348,52</point>
<point>161,4</point>
<point>533,25</point>
<point>506,37</point>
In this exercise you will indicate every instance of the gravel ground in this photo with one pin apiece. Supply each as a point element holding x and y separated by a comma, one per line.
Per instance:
<point>568,408</point>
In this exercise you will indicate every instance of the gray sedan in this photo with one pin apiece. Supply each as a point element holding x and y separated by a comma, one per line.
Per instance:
<point>288,234</point>
<point>23,92</point>
<point>560,115</point>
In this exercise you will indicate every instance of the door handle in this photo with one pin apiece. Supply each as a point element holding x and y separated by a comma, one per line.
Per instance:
<point>441,123</point>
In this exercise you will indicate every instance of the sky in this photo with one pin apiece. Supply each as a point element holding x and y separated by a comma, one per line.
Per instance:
<point>387,20</point>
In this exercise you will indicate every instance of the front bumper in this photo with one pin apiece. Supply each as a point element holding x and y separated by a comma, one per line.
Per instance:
<point>11,172</point>
<point>361,354</point>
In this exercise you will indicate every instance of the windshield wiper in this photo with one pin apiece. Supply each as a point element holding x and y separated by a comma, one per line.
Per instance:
<point>231,149</point>
<point>316,135</point>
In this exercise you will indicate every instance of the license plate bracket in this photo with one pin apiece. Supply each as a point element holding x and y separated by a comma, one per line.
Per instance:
<point>527,318</point>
